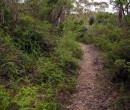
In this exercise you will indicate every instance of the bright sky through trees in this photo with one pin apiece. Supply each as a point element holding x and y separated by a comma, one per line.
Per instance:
<point>109,9</point>
<point>96,7</point>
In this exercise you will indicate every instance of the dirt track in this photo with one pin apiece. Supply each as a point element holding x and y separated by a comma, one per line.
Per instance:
<point>91,94</point>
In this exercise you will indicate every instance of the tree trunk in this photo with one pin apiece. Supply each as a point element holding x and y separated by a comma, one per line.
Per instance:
<point>120,14</point>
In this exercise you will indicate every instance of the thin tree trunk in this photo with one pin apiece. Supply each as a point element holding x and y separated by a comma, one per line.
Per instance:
<point>120,14</point>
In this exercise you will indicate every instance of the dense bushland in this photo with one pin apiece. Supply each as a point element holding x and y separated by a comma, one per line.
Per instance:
<point>38,55</point>
<point>113,41</point>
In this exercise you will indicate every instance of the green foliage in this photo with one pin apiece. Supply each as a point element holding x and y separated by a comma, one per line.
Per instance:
<point>7,16</point>
<point>114,42</point>
<point>50,72</point>
<point>66,52</point>
<point>4,98</point>
<point>35,68</point>
<point>38,54</point>
<point>106,18</point>
<point>33,38</point>
<point>77,25</point>
<point>10,58</point>
<point>25,97</point>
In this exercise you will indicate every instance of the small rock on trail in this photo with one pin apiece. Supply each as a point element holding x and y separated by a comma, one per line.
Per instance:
<point>91,94</point>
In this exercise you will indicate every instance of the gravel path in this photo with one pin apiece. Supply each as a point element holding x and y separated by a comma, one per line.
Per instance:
<point>91,94</point>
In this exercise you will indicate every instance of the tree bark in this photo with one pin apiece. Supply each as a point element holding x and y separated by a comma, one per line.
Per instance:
<point>120,14</point>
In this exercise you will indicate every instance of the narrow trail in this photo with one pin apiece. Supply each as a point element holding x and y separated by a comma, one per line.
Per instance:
<point>91,94</point>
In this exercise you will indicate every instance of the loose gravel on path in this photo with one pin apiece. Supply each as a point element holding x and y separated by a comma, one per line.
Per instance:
<point>91,94</point>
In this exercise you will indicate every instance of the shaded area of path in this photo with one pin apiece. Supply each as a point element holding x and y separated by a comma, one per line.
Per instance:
<point>91,94</point>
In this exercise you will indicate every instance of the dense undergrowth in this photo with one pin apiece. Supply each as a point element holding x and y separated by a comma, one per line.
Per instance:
<point>114,43</point>
<point>37,70</point>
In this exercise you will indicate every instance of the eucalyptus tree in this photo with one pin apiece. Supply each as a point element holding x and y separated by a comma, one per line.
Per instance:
<point>122,7</point>
<point>83,6</point>
<point>58,9</point>
<point>80,6</point>
<point>101,6</point>
<point>50,10</point>
<point>9,11</point>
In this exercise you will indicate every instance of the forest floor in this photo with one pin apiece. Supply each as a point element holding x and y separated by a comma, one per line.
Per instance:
<point>93,90</point>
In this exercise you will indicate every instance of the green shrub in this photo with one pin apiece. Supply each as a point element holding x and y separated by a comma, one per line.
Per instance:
<point>36,67</point>
<point>11,58</point>
<point>33,38</point>
<point>67,51</point>
<point>50,72</point>
<point>4,98</point>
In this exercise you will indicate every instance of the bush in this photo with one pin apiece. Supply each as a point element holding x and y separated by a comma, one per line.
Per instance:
<point>33,38</point>
<point>67,52</point>
<point>11,58</point>
<point>4,98</point>
<point>36,67</point>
